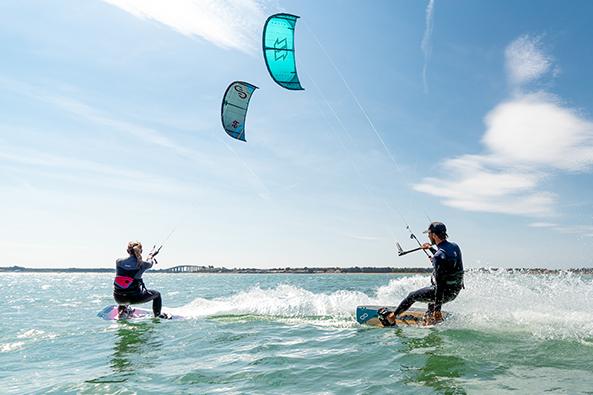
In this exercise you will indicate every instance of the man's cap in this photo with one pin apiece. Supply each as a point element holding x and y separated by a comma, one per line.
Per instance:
<point>437,227</point>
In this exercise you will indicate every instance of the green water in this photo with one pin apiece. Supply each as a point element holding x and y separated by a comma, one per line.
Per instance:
<point>295,334</point>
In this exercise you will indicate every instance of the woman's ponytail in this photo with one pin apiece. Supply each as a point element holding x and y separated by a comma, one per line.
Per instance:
<point>135,248</point>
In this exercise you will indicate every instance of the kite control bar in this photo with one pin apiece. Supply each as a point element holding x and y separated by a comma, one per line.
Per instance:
<point>154,252</point>
<point>401,252</point>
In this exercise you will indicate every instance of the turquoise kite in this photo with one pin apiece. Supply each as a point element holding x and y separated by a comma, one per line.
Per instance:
<point>278,41</point>
<point>234,108</point>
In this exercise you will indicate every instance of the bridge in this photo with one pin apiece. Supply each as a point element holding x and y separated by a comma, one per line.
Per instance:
<point>189,269</point>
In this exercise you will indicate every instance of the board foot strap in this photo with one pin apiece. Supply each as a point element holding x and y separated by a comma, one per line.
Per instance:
<point>383,312</point>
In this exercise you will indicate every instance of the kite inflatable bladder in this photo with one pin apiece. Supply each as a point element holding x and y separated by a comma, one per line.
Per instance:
<point>234,108</point>
<point>278,42</point>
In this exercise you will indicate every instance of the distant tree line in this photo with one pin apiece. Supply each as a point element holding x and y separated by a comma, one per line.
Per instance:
<point>296,270</point>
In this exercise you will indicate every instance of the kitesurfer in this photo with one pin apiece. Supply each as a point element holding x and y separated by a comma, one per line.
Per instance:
<point>446,281</point>
<point>128,286</point>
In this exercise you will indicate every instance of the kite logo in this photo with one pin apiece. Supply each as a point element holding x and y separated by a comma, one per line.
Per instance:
<point>240,92</point>
<point>234,108</point>
<point>280,52</point>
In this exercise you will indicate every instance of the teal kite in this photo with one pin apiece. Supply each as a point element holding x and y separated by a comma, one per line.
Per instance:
<point>278,42</point>
<point>234,108</point>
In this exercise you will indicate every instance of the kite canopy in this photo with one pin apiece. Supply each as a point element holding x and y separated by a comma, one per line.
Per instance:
<point>234,108</point>
<point>278,41</point>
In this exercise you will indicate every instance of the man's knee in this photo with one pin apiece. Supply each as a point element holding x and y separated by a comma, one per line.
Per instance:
<point>416,295</point>
<point>155,296</point>
<point>451,294</point>
<point>411,297</point>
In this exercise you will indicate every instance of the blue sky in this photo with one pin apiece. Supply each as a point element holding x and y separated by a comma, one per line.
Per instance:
<point>475,113</point>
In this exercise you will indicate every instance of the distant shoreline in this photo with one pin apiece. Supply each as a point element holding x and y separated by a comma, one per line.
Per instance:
<point>191,269</point>
<point>222,270</point>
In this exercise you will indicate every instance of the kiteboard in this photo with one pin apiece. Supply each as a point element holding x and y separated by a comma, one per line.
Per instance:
<point>368,315</point>
<point>110,313</point>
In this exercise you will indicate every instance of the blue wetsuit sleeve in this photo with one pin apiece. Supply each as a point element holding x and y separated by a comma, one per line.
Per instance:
<point>146,265</point>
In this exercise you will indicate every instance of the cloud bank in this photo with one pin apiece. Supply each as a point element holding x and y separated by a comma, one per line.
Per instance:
<point>229,24</point>
<point>527,139</point>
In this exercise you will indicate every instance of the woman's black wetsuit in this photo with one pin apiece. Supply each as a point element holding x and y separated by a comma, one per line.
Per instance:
<point>128,287</point>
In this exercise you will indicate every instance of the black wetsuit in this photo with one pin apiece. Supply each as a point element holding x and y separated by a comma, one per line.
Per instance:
<point>128,287</point>
<point>447,279</point>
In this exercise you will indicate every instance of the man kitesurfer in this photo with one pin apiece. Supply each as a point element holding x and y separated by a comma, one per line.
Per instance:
<point>447,278</point>
<point>128,286</point>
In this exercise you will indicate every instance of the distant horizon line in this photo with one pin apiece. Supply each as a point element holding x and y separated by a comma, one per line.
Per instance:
<point>299,270</point>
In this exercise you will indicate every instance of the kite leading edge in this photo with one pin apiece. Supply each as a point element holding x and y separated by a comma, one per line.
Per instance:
<point>278,43</point>
<point>234,108</point>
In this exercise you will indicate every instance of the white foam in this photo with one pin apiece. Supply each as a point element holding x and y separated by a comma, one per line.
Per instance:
<point>550,306</point>
<point>7,347</point>
<point>282,301</point>
<point>547,306</point>
<point>36,334</point>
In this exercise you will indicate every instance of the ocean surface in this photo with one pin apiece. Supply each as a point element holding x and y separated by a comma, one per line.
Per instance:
<point>295,334</point>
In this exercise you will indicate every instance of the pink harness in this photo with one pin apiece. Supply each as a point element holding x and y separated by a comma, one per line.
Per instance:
<point>123,281</point>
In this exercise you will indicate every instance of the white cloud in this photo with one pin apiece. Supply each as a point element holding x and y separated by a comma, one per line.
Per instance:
<point>80,109</point>
<point>583,230</point>
<point>144,134</point>
<point>526,138</point>
<point>533,205</point>
<point>426,44</point>
<point>230,24</point>
<point>487,184</point>
<point>535,130</point>
<point>83,110</point>
<point>82,171</point>
<point>525,60</point>
<point>363,237</point>
<point>542,225</point>
<point>493,191</point>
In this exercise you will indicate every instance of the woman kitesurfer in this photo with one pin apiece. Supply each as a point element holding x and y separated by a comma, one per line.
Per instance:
<point>128,286</point>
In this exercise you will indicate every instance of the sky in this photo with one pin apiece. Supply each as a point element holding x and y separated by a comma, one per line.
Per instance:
<point>478,114</point>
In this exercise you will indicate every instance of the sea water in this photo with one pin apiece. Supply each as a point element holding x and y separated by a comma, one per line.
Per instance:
<point>295,334</point>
